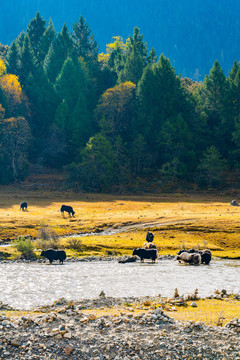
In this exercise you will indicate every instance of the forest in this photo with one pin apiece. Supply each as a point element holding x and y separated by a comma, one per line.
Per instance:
<point>115,119</point>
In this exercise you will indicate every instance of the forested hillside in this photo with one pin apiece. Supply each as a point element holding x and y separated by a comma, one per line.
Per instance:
<point>116,118</point>
<point>192,34</point>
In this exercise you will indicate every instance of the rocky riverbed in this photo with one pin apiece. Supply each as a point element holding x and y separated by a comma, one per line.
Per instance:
<point>112,328</point>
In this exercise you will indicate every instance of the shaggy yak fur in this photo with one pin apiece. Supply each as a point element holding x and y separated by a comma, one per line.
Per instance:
<point>52,254</point>
<point>234,203</point>
<point>23,206</point>
<point>146,254</point>
<point>189,258</point>
<point>68,209</point>
<point>149,245</point>
<point>206,255</point>
<point>149,237</point>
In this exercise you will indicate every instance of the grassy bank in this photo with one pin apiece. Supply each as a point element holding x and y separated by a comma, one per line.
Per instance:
<point>177,220</point>
<point>209,311</point>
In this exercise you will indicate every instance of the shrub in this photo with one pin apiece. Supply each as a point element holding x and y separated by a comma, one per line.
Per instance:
<point>74,244</point>
<point>47,238</point>
<point>25,247</point>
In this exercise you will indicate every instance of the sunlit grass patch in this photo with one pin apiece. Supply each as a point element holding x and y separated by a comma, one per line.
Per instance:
<point>209,311</point>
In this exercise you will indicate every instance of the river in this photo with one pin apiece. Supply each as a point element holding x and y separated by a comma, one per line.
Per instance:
<point>25,286</point>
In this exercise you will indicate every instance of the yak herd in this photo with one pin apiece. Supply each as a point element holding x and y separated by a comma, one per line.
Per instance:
<point>192,256</point>
<point>147,251</point>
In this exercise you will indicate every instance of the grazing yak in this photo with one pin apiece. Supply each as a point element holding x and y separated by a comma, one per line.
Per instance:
<point>149,237</point>
<point>189,258</point>
<point>206,255</point>
<point>52,254</point>
<point>68,209</point>
<point>23,206</point>
<point>234,203</point>
<point>149,245</point>
<point>146,254</point>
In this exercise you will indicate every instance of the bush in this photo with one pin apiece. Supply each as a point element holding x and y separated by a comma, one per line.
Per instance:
<point>25,247</point>
<point>47,238</point>
<point>74,244</point>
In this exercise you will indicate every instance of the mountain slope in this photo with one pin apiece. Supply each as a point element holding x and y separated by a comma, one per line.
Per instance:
<point>191,33</point>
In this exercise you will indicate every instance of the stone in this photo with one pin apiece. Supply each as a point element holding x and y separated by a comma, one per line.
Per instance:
<point>68,350</point>
<point>84,320</point>
<point>193,304</point>
<point>62,329</point>
<point>92,317</point>
<point>68,335</point>
<point>15,343</point>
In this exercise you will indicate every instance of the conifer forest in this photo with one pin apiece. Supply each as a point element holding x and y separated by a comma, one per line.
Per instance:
<point>115,119</point>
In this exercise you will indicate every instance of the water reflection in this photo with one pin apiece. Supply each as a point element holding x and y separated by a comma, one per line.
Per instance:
<point>26,285</point>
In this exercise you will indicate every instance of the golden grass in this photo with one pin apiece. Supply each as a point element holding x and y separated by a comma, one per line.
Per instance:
<point>177,220</point>
<point>209,311</point>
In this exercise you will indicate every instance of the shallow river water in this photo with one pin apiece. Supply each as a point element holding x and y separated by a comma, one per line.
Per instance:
<point>24,286</point>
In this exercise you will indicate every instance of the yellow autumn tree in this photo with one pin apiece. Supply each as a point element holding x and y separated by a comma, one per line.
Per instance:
<point>115,109</point>
<point>12,90</point>
<point>3,68</point>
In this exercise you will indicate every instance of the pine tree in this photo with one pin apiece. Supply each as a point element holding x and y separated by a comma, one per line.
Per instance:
<point>62,116</point>
<point>46,40</point>
<point>81,123</point>
<point>28,61</point>
<point>70,82</point>
<point>213,101</point>
<point>58,52</point>
<point>35,31</point>
<point>13,59</point>
<point>133,68</point>
<point>84,42</point>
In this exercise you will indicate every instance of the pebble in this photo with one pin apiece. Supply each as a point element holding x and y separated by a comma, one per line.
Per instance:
<point>58,333</point>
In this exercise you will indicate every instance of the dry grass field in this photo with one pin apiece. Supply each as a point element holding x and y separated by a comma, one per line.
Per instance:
<point>177,220</point>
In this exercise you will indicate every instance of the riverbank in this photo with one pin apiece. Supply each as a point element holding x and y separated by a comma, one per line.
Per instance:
<point>115,224</point>
<point>113,328</point>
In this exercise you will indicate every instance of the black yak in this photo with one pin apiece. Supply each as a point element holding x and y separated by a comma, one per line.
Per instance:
<point>23,206</point>
<point>146,254</point>
<point>234,203</point>
<point>52,254</point>
<point>68,209</point>
<point>149,237</point>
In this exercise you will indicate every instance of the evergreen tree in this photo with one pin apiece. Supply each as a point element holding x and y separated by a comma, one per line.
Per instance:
<point>70,82</point>
<point>28,61</point>
<point>213,101</point>
<point>81,123</point>
<point>58,52</point>
<point>20,40</point>
<point>116,58</point>
<point>133,68</point>
<point>96,171</point>
<point>152,57</point>
<point>233,71</point>
<point>135,58</point>
<point>84,42</point>
<point>211,168</point>
<point>136,43</point>
<point>62,116</point>
<point>47,38</point>
<point>161,99</point>
<point>43,103</point>
<point>35,31</point>
<point>13,59</point>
